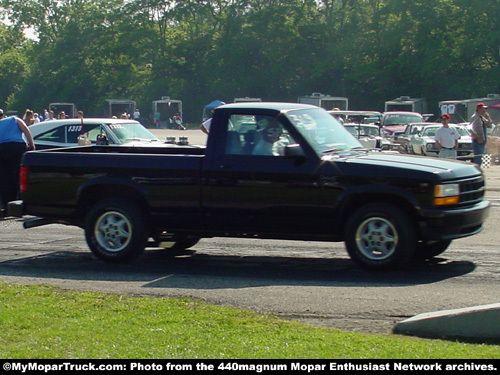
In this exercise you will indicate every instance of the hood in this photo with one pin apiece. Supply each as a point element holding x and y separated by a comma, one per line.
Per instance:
<point>378,164</point>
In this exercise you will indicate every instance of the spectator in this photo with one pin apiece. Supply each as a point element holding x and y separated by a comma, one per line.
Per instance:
<point>479,122</point>
<point>12,148</point>
<point>447,139</point>
<point>28,117</point>
<point>338,117</point>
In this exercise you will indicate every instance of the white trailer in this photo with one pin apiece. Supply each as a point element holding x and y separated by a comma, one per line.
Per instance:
<point>462,110</point>
<point>325,101</point>
<point>406,104</point>
<point>170,111</point>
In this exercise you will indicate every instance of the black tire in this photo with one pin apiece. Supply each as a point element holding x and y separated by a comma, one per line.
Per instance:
<point>116,230</point>
<point>431,249</point>
<point>380,236</point>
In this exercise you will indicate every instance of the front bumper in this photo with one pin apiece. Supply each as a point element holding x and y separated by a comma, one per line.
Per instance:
<point>454,223</point>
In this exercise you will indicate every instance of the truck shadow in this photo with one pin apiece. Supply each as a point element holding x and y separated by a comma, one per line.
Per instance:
<point>192,270</point>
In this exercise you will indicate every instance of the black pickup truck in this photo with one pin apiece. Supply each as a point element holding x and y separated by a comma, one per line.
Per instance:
<point>269,170</point>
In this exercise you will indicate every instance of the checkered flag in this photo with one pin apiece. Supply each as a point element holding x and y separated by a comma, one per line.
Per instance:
<point>486,161</point>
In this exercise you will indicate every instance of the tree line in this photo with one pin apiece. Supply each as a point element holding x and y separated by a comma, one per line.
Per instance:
<point>87,51</point>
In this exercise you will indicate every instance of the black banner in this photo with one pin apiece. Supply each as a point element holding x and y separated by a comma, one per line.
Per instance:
<point>248,366</point>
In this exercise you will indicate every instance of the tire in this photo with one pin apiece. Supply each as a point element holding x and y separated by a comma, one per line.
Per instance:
<point>431,249</point>
<point>380,236</point>
<point>116,230</point>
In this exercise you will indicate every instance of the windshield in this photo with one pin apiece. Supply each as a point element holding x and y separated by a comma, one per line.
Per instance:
<point>322,131</point>
<point>131,131</point>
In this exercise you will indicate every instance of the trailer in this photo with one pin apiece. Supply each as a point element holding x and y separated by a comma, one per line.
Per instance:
<point>325,101</point>
<point>170,112</point>
<point>117,107</point>
<point>406,104</point>
<point>246,99</point>
<point>462,110</point>
<point>69,109</point>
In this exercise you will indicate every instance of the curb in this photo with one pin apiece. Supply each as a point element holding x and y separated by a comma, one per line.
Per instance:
<point>479,324</point>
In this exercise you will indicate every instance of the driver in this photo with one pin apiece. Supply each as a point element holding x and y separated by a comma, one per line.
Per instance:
<point>270,134</point>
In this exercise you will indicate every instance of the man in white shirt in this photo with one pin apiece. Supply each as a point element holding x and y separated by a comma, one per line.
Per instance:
<point>447,139</point>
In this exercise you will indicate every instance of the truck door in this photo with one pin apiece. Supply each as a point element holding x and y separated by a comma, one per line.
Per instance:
<point>250,185</point>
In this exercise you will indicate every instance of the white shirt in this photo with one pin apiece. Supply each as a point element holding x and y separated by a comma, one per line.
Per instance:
<point>447,137</point>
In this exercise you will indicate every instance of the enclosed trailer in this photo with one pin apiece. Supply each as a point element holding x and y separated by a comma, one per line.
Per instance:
<point>407,104</point>
<point>170,111</point>
<point>69,109</point>
<point>462,110</point>
<point>246,99</point>
<point>325,101</point>
<point>119,106</point>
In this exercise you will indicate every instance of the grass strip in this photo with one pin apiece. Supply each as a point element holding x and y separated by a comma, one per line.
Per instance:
<point>39,321</point>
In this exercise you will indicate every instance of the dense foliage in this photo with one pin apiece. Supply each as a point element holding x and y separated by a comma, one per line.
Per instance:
<point>86,51</point>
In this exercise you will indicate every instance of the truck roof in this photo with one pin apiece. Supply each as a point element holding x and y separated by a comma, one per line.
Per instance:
<point>268,105</point>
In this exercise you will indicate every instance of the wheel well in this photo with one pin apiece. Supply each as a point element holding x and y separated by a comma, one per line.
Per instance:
<point>93,194</point>
<point>359,200</point>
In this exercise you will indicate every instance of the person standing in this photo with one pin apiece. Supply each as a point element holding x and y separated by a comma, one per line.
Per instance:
<point>447,139</point>
<point>157,120</point>
<point>12,148</point>
<point>337,116</point>
<point>480,120</point>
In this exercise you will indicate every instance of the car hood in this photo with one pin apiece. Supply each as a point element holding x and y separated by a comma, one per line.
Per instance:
<point>379,164</point>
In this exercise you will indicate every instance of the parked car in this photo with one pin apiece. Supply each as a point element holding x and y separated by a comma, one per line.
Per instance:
<point>369,136</point>
<point>365,126</point>
<point>423,142</point>
<point>404,138</point>
<point>394,123</point>
<point>64,132</point>
<point>493,144</point>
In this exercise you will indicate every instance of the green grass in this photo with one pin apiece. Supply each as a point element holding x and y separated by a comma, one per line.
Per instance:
<point>47,322</point>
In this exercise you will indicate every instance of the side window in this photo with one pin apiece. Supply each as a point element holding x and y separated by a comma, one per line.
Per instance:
<point>55,135</point>
<point>256,135</point>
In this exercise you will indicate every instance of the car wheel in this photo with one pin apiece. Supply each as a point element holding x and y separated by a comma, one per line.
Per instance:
<point>380,236</point>
<point>431,249</point>
<point>116,230</point>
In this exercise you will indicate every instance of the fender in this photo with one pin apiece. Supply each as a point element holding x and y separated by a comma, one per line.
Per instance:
<point>353,196</point>
<point>109,183</point>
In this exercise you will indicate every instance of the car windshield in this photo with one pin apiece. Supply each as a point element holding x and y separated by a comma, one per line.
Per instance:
<point>323,132</point>
<point>131,131</point>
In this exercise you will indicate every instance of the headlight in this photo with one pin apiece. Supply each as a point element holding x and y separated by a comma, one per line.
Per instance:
<point>431,146</point>
<point>446,194</point>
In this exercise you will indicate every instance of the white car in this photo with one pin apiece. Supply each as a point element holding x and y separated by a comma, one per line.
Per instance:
<point>368,135</point>
<point>65,132</point>
<point>423,143</point>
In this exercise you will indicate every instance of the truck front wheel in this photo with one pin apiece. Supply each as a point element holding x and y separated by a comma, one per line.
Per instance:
<point>116,230</point>
<point>380,236</point>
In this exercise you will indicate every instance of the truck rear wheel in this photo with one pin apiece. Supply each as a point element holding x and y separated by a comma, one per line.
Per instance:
<point>380,236</point>
<point>116,230</point>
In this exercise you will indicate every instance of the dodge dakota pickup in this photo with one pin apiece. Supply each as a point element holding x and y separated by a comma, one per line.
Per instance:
<point>268,170</point>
